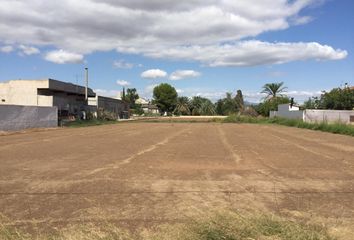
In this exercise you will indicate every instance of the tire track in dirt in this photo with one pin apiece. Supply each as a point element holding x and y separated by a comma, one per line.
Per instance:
<point>89,133</point>
<point>139,153</point>
<point>304,148</point>
<point>322,143</point>
<point>236,157</point>
<point>250,192</point>
<point>273,174</point>
<point>337,151</point>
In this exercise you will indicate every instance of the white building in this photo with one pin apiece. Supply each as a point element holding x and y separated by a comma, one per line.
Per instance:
<point>313,115</point>
<point>147,106</point>
<point>287,111</point>
<point>67,97</point>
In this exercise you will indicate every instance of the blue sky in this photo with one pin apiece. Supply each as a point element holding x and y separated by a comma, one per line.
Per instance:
<point>202,48</point>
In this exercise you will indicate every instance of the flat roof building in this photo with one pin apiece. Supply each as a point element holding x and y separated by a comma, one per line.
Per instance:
<point>67,97</point>
<point>117,108</point>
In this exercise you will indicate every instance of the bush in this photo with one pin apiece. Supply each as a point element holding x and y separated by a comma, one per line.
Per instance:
<point>338,128</point>
<point>271,105</point>
<point>106,115</point>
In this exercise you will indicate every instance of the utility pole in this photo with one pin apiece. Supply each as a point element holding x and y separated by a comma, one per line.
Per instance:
<point>86,84</point>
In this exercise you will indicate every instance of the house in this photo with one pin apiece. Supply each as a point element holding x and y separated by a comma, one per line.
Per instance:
<point>150,108</point>
<point>141,101</point>
<point>287,110</point>
<point>67,97</point>
<point>116,108</point>
<point>147,106</point>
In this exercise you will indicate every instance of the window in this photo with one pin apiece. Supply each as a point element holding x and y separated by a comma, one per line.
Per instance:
<point>3,100</point>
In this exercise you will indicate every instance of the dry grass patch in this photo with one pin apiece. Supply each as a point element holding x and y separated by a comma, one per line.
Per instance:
<point>221,226</point>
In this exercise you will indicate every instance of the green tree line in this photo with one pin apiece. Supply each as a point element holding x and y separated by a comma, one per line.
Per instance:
<point>166,98</point>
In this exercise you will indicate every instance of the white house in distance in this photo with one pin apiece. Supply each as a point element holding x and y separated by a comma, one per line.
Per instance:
<point>313,115</point>
<point>147,106</point>
<point>287,111</point>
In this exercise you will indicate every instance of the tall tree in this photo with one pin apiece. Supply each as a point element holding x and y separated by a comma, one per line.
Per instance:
<point>239,101</point>
<point>273,90</point>
<point>182,106</point>
<point>338,99</point>
<point>226,106</point>
<point>202,106</point>
<point>165,97</point>
<point>123,94</point>
<point>131,97</point>
<point>207,108</point>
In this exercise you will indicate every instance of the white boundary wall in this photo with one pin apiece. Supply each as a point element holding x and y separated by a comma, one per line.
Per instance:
<point>314,115</point>
<point>329,116</point>
<point>16,117</point>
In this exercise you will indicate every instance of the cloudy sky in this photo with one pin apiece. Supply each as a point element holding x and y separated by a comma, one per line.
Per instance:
<point>202,47</point>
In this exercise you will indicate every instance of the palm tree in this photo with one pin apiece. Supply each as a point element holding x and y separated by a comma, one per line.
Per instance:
<point>207,108</point>
<point>202,106</point>
<point>182,106</point>
<point>273,90</point>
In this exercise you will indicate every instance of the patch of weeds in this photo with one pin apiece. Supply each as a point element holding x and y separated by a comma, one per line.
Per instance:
<point>337,128</point>
<point>232,226</point>
<point>221,226</point>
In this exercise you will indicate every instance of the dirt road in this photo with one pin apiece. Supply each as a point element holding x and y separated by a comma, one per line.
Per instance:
<point>138,174</point>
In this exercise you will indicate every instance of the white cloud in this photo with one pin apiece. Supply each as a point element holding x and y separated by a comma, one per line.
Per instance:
<point>122,64</point>
<point>212,94</point>
<point>63,57</point>
<point>275,74</point>
<point>154,73</point>
<point>27,50</point>
<point>147,92</point>
<point>182,74</point>
<point>123,83</point>
<point>250,53</point>
<point>107,93</point>
<point>6,49</point>
<point>301,20</point>
<point>184,29</point>
<point>299,95</point>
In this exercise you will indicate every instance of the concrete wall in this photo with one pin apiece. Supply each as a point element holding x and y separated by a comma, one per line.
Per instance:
<point>14,117</point>
<point>285,111</point>
<point>312,115</point>
<point>115,106</point>
<point>329,116</point>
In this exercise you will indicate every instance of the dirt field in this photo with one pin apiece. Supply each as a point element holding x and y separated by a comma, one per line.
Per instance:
<point>141,174</point>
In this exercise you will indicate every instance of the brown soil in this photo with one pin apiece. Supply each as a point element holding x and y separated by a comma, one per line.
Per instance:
<point>142,174</point>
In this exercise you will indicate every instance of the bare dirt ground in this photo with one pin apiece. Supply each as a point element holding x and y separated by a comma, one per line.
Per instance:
<point>142,174</point>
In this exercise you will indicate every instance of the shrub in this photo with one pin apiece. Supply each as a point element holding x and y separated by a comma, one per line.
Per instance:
<point>338,128</point>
